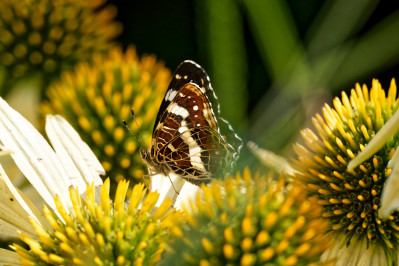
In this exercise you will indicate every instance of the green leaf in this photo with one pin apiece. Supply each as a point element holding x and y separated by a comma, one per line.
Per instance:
<point>220,22</point>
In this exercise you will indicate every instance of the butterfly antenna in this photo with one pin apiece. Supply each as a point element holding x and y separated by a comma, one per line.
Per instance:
<point>135,120</point>
<point>131,133</point>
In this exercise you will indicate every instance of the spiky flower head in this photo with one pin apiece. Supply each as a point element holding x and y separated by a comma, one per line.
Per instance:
<point>351,199</point>
<point>97,97</point>
<point>104,233</point>
<point>247,221</point>
<point>45,37</point>
<point>81,225</point>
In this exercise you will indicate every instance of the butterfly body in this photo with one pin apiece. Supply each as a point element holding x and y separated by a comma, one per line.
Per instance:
<point>187,139</point>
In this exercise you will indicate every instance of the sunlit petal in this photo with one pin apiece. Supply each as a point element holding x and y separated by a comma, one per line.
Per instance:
<point>33,155</point>
<point>14,211</point>
<point>188,192</point>
<point>271,159</point>
<point>390,194</point>
<point>8,257</point>
<point>83,166</point>
<point>390,128</point>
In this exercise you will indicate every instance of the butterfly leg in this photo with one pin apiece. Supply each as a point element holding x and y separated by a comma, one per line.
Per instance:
<point>149,175</point>
<point>173,185</point>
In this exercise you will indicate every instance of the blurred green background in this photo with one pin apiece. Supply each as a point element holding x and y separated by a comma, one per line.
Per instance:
<point>272,63</point>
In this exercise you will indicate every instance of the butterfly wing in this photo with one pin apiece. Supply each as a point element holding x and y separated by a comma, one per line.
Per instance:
<point>190,72</point>
<point>198,155</point>
<point>187,138</point>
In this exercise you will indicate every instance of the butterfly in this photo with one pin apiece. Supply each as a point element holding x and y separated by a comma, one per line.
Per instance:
<point>189,138</point>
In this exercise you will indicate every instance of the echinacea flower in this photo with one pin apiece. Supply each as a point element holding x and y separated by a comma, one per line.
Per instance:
<point>249,220</point>
<point>351,198</point>
<point>78,226</point>
<point>390,192</point>
<point>42,37</point>
<point>102,233</point>
<point>97,97</point>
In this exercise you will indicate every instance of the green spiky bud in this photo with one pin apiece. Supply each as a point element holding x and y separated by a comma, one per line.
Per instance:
<point>247,221</point>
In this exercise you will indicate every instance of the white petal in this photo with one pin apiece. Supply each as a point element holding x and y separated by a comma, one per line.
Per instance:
<point>4,151</point>
<point>14,211</point>
<point>163,185</point>
<point>390,128</point>
<point>80,162</point>
<point>356,253</point>
<point>33,156</point>
<point>390,194</point>
<point>8,257</point>
<point>188,192</point>
<point>394,160</point>
<point>271,159</point>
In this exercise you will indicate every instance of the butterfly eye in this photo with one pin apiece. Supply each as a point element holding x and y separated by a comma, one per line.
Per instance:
<point>144,154</point>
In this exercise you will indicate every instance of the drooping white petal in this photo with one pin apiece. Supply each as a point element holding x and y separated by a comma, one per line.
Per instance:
<point>76,156</point>
<point>50,172</point>
<point>187,192</point>
<point>271,159</point>
<point>8,257</point>
<point>390,194</point>
<point>4,151</point>
<point>163,186</point>
<point>356,253</point>
<point>33,156</point>
<point>390,128</point>
<point>394,160</point>
<point>14,210</point>
<point>390,191</point>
